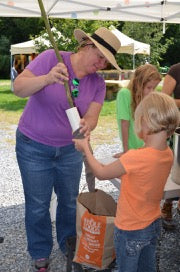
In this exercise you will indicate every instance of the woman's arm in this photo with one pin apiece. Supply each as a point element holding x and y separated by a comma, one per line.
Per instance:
<point>169,85</point>
<point>90,119</point>
<point>26,84</point>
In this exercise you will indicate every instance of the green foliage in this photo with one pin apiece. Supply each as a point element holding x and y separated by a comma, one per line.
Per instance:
<point>19,29</point>
<point>4,57</point>
<point>4,66</point>
<point>66,41</point>
<point>172,54</point>
<point>150,33</point>
<point>164,47</point>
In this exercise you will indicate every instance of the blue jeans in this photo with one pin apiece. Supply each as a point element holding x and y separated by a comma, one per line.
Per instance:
<point>136,250</point>
<point>43,168</point>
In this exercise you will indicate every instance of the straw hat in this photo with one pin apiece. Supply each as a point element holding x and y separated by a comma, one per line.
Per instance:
<point>104,40</point>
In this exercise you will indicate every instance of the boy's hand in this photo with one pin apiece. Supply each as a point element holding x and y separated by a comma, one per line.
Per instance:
<point>81,144</point>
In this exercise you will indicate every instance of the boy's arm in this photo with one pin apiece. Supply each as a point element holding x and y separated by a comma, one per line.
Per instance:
<point>102,172</point>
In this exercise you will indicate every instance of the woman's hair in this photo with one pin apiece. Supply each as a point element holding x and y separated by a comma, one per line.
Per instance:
<point>142,75</point>
<point>159,112</point>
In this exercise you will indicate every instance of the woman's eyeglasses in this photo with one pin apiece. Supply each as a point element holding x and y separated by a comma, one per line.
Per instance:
<point>75,91</point>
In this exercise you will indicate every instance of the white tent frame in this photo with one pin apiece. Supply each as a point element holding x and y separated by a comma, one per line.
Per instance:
<point>167,11</point>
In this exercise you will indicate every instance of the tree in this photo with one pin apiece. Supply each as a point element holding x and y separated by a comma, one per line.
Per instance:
<point>66,27</point>
<point>15,30</point>
<point>172,55</point>
<point>4,57</point>
<point>150,33</point>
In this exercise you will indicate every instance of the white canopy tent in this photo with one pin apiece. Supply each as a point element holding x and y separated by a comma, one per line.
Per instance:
<point>131,46</point>
<point>167,11</point>
<point>29,47</point>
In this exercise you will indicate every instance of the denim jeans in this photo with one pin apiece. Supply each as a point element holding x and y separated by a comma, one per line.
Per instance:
<point>43,168</point>
<point>136,250</point>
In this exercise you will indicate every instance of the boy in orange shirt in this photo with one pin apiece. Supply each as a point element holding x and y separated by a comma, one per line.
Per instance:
<point>143,173</point>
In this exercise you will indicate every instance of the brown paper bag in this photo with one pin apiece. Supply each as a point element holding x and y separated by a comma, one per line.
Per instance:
<point>95,228</point>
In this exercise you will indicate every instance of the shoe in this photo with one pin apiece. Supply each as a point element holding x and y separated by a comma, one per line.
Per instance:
<point>166,211</point>
<point>41,265</point>
<point>166,214</point>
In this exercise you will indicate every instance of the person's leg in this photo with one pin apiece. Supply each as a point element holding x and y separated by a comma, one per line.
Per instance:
<point>147,259</point>
<point>126,254</point>
<point>135,250</point>
<point>36,169</point>
<point>69,168</point>
<point>166,214</point>
<point>166,211</point>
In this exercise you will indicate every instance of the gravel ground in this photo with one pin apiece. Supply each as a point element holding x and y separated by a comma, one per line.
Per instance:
<point>13,254</point>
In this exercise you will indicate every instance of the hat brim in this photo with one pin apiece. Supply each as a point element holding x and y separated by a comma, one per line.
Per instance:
<point>80,35</point>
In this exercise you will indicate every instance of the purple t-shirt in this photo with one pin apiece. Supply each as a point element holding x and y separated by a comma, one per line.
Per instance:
<point>44,118</point>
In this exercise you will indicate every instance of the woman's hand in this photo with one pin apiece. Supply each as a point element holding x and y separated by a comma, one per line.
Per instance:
<point>84,128</point>
<point>58,74</point>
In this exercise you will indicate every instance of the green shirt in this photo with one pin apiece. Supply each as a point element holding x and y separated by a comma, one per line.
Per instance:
<point>124,112</point>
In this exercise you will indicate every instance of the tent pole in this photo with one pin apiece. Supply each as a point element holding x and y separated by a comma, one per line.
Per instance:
<point>133,61</point>
<point>11,65</point>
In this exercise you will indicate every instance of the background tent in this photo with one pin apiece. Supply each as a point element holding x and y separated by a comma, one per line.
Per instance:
<point>29,47</point>
<point>23,48</point>
<point>167,11</point>
<point>130,46</point>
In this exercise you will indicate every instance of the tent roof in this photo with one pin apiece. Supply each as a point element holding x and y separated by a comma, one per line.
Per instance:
<point>130,46</point>
<point>29,47</point>
<point>23,48</point>
<point>119,10</point>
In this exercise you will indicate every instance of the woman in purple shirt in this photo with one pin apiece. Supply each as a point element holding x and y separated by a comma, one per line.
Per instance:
<point>45,152</point>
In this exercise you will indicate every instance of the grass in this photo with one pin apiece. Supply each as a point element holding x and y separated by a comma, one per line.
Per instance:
<point>11,108</point>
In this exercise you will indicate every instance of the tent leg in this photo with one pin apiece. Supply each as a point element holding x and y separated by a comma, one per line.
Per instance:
<point>133,61</point>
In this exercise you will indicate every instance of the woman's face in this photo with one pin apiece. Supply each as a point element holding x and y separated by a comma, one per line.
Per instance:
<point>95,60</point>
<point>150,86</point>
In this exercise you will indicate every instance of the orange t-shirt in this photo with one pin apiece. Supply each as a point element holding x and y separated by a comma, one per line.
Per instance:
<point>147,170</point>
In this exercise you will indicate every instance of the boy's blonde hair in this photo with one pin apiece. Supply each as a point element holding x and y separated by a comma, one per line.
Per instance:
<point>159,111</point>
<point>142,75</point>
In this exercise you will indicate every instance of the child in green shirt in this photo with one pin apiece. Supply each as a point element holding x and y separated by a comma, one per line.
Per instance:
<point>144,81</point>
